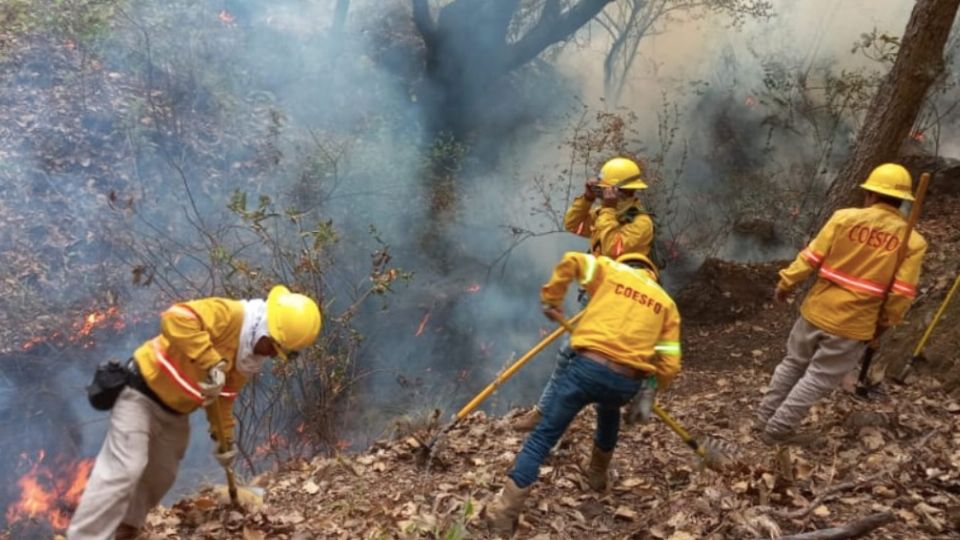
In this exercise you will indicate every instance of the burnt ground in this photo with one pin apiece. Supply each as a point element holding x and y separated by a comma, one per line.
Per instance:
<point>897,455</point>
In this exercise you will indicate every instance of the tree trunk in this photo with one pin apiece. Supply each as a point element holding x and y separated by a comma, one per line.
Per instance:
<point>898,101</point>
<point>468,53</point>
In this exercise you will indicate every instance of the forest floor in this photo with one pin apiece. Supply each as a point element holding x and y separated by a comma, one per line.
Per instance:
<point>898,453</point>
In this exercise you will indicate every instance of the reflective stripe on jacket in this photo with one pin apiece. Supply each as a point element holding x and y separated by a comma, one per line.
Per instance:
<point>628,229</point>
<point>194,336</point>
<point>629,319</point>
<point>855,257</point>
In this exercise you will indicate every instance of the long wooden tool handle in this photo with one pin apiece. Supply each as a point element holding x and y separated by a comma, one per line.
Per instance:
<point>901,256</point>
<point>515,367</point>
<point>915,209</point>
<point>222,444</point>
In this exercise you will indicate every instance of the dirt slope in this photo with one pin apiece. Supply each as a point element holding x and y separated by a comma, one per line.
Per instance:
<point>899,453</point>
<point>907,460</point>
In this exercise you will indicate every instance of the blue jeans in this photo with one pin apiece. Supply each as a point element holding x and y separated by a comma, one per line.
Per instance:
<point>564,356</point>
<point>583,382</point>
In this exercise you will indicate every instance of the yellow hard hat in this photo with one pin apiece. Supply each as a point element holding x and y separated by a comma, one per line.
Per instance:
<point>622,173</point>
<point>892,180</point>
<point>293,320</point>
<point>640,257</point>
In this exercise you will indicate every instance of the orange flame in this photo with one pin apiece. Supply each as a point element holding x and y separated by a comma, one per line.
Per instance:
<point>50,493</point>
<point>82,330</point>
<point>423,325</point>
<point>918,136</point>
<point>473,288</point>
<point>750,101</point>
<point>226,17</point>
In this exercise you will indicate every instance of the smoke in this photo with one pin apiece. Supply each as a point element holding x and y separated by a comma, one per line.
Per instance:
<point>118,147</point>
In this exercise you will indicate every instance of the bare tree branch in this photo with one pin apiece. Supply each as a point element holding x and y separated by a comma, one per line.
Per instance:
<point>552,30</point>
<point>850,530</point>
<point>423,21</point>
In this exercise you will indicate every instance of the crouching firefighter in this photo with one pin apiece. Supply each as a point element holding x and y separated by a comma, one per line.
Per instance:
<point>206,351</point>
<point>629,332</point>
<point>856,257</point>
<point>619,224</point>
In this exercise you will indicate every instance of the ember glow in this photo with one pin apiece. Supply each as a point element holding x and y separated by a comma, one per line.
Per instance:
<point>917,136</point>
<point>272,445</point>
<point>81,330</point>
<point>49,492</point>
<point>423,324</point>
<point>473,288</point>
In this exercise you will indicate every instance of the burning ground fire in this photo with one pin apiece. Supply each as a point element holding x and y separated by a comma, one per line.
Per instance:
<point>81,330</point>
<point>49,492</point>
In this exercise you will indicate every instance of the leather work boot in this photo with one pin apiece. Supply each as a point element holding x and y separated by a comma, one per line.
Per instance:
<point>792,438</point>
<point>528,421</point>
<point>126,532</point>
<point>596,469</point>
<point>503,513</point>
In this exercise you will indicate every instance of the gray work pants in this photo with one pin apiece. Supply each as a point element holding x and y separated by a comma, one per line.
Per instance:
<point>135,468</point>
<point>815,364</point>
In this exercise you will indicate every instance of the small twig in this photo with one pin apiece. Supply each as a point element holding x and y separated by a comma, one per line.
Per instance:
<point>850,530</point>
<point>833,490</point>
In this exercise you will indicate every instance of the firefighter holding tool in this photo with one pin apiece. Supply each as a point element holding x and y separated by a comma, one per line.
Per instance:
<point>206,351</point>
<point>866,278</point>
<point>628,333</point>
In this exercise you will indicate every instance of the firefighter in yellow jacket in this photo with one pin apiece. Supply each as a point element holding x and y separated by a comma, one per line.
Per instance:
<point>620,224</point>
<point>617,226</point>
<point>862,289</point>
<point>206,351</point>
<point>629,332</point>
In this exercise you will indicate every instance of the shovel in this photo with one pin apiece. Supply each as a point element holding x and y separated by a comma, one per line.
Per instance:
<point>423,453</point>
<point>247,498</point>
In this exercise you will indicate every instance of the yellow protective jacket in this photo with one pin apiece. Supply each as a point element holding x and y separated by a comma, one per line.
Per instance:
<point>629,319</point>
<point>855,257</point>
<point>194,336</point>
<point>612,232</point>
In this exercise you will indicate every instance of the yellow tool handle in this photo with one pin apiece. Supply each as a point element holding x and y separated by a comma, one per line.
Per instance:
<point>222,444</point>
<point>678,429</point>
<point>510,371</point>
<point>936,318</point>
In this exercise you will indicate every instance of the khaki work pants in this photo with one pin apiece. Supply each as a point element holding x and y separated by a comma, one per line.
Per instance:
<point>135,468</point>
<point>815,364</point>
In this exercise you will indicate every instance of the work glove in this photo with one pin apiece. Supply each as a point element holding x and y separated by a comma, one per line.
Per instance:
<point>225,459</point>
<point>611,196</point>
<point>640,407</point>
<point>552,313</point>
<point>590,190</point>
<point>213,384</point>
